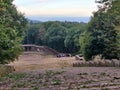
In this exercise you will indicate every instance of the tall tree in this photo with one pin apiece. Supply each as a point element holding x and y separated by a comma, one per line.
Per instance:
<point>55,37</point>
<point>102,34</point>
<point>72,39</point>
<point>11,31</point>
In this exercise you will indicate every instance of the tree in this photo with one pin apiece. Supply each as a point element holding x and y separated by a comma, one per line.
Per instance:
<point>11,31</point>
<point>72,39</point>
<point>55,37</point>
<point>62,36</point>
<point>102,34</point>
<point>31,34</point>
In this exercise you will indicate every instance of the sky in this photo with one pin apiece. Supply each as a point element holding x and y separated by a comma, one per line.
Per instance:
<point>61,10</point>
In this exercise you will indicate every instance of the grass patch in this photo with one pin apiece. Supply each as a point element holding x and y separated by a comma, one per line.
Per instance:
<point>6,69</point>
<point>18,85</point>
<point>35,88</point>
<point>1,79</point>
<point>16,76</point>
<point>88,82</point>
<point>103,74</point>
<point>82,74</point>
<point>56,82</point>
<point>82,86</point>
<point>105,89</point>
<point>52,73</point>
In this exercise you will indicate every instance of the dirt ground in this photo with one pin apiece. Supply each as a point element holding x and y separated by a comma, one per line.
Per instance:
<point>36,61</point>
<point>36,72</point>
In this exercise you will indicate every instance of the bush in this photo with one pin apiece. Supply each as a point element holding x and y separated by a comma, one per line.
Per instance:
<point>6,69</point>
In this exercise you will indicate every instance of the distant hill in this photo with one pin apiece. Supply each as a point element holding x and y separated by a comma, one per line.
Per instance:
<point>34,21</point>
<point>37,19</point>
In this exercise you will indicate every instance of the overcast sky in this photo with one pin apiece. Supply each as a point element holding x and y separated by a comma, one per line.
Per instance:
<point>45,9</point>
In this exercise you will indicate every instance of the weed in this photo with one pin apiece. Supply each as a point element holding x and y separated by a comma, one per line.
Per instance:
<point>19,85</point>
<point>83,86</point>
<point>82,74</point>
<point>1,79</point>
<point>102,74</point>
<point>56,82</point>
<point>6,69</point>
<point>105,89</point>
<point>88,82</point>
<point>58,72</point>
<point>16,76</point>
<point>52,73</point>
<point>49,73</point>
<point>35,88</point>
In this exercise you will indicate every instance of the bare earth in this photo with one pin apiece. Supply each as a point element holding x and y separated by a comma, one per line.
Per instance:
<point>34,62</point>
<point>36,72</point>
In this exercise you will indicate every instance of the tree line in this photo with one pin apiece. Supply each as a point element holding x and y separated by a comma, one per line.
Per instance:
<point>61,36</point>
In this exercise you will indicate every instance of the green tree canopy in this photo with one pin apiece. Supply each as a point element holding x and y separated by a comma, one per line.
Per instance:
<point>55,37</point>
<point>62,36</point>
<point>102,33</point>
<point>11,31</point>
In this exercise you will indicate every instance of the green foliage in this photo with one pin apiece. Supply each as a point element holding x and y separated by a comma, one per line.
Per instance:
<point>5,70</point>
<point>61,36</point>
<point>72,38</point>
<point>101,36</point>
<point>56,82</point>
<point>16,76</point>
<point>85,43</point>
<point>31,35</point>
<point>11,25</point>
<point>55,37</point>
